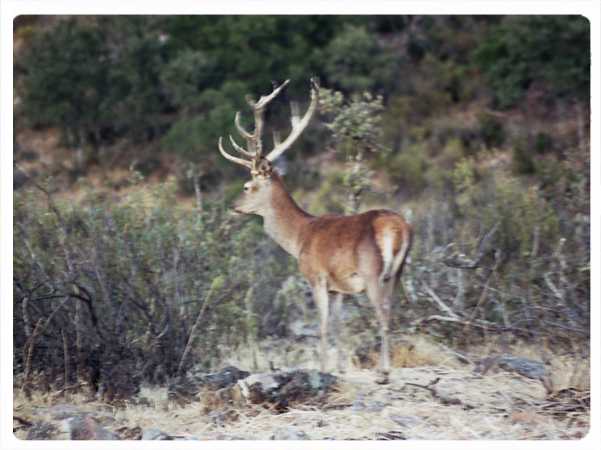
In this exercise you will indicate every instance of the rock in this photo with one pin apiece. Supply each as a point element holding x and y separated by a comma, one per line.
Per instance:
<point>185,389</point>
<point>282,388</point>
<point>405,421</point>
<point>182,390</point>
<point>301,329</point>
<point>154,434</point>
<point>226,377</point>
<point>366,355</point>
<point>368,406</point>
<point>221,417</point>
<point>64,411</point>
<point>525,367</point>
<point>229,437</point>
<point>41,431</point>
<point>86,428</point>
<point>130,433</point>
<point>289,434</point>
<point>391,436</point>
<point>19,179</point>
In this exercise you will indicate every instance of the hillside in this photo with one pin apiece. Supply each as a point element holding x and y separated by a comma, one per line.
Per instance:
<point>132,275</point>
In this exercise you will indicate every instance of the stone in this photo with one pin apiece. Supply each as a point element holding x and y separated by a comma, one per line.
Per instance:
<point>289,434</point>
<point>282,388</point>
<point>86,428</point>
<point>368,405</point>
<point>526,367</point>
<point>129,433</point>
<point>404,421</point>
<point>221,417</point>
<point>186,438</point>
<point>226,377</point>
<point>64,411</point>
<point>154,434</point>
<point>185,388</point>
<point>41,431</point>
<point>182,390</point>
<point>393,435</point>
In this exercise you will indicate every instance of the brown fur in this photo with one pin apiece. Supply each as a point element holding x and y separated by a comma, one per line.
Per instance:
<point>343,254</point>
<point>339,247</point>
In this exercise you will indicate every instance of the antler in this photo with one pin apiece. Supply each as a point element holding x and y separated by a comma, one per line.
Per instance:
<point>298,126</point>
<point>257,163</point>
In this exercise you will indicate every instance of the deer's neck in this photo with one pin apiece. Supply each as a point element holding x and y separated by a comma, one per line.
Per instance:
<point>284,221</point>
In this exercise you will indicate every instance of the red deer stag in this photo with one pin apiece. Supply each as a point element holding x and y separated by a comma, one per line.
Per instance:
<point>339,254</point>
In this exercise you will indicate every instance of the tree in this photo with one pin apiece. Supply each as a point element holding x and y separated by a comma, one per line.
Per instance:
<point>522,50</point>
<point>66,79</point>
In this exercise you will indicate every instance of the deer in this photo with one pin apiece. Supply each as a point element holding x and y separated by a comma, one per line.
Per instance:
<point>337,254</point>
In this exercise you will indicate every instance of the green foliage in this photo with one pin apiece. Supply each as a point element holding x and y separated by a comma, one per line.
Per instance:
<point>522,161</point>
<point>65,80</point>
<point>518,210</point>
<point>184,75</point>
<point>355,123</point>
<point>409,94</point>
<point>524,50</point>
<point>408,169</point>
<point>491,130</point>
<point>543,143</point>
<point>354,61</point>
<point>146,267</point>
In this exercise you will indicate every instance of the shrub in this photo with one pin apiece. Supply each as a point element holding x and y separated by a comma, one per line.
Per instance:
<point>131,278</point>
<point>522,161</point>
<point>408,169</point>
<point>524,49</point>
<point>491,130</point>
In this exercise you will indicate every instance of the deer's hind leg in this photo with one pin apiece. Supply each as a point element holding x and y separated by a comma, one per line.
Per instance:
<point>380,295</point>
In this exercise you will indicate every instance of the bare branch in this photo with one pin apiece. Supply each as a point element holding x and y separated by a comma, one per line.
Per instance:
<point>460,261</point>
<point>439,302</point>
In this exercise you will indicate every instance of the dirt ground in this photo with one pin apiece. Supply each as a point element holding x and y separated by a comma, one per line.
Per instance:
<point>438,398</point>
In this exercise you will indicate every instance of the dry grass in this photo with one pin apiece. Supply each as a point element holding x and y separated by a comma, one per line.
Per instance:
<point>498,405</point>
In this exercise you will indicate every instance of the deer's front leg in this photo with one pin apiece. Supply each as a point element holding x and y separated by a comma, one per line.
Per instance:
<point>338,332</point>
<point>320,295</point>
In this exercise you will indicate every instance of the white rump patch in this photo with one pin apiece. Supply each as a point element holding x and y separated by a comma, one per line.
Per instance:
<point>386,247</point>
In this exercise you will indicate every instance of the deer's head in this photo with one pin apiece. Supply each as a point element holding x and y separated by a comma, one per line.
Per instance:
<point>257,195</point>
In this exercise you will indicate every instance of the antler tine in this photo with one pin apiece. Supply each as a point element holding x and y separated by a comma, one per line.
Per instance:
<point>264,100</point>
<point>298,126</point>
<point>245,134</point>
<point>242,162</point>
<point>259,110</point>
<point>240,149</point>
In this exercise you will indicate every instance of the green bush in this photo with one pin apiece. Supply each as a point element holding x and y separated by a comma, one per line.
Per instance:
<point>407,170</point>
<point>491,130</point>
<point>523,50</point>
<point>522,161</point>
<point>141,271</point>
<point>355,62</point>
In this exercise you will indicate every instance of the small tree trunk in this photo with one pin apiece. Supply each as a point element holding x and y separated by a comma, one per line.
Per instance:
<point>198,192</point>
<point>251,328</point>
<point>66,362</point>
